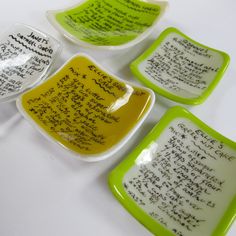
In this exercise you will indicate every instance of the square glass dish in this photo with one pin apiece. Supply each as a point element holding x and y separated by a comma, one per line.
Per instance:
<point>87,110</point>
<point>26,56</point>
<point>108,24</point>
<point>180,68</point>
<point>180,180</point>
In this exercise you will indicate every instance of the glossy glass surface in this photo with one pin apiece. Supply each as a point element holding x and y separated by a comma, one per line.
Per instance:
<point>84,108</point>
<point>180,179</point>
<point>107,23</point>
<point>180,68</point>
<point>26,55</point>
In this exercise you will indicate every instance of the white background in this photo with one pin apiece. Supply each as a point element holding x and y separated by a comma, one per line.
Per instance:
<point>44,191</point>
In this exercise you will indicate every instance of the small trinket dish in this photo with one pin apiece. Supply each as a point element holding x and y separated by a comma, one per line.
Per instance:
<point>180,180</point>
<point>108,24</point>
<point>26,56</point>
<point>180,68</point>
<point>87,110</point>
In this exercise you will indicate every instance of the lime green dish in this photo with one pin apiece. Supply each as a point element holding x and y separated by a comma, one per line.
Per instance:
<point>180,180</point>
<point>108,24</point>
<point>180,68</point>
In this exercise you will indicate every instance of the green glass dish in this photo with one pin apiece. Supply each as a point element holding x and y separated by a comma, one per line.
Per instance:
<point>180,180</point>
<point>108,24</point>
<point>180,68</point>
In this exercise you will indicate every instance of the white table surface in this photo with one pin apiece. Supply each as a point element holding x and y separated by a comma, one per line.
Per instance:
<point>45,192</point>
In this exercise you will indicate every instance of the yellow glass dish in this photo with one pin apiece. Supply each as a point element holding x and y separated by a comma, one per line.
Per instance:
<point>87,110</point>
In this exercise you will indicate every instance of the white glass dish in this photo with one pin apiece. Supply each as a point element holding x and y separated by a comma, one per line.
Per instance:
<point>26,55</point>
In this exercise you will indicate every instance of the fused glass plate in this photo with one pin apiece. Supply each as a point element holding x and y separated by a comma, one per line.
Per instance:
<point>86,109</point>
<point>180,68</point>
<point>108,24</point>
<point>180,180</point>
<point>26,55</point>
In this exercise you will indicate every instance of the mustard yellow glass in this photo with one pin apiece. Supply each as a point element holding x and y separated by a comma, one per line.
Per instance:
<point>85,109</point>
